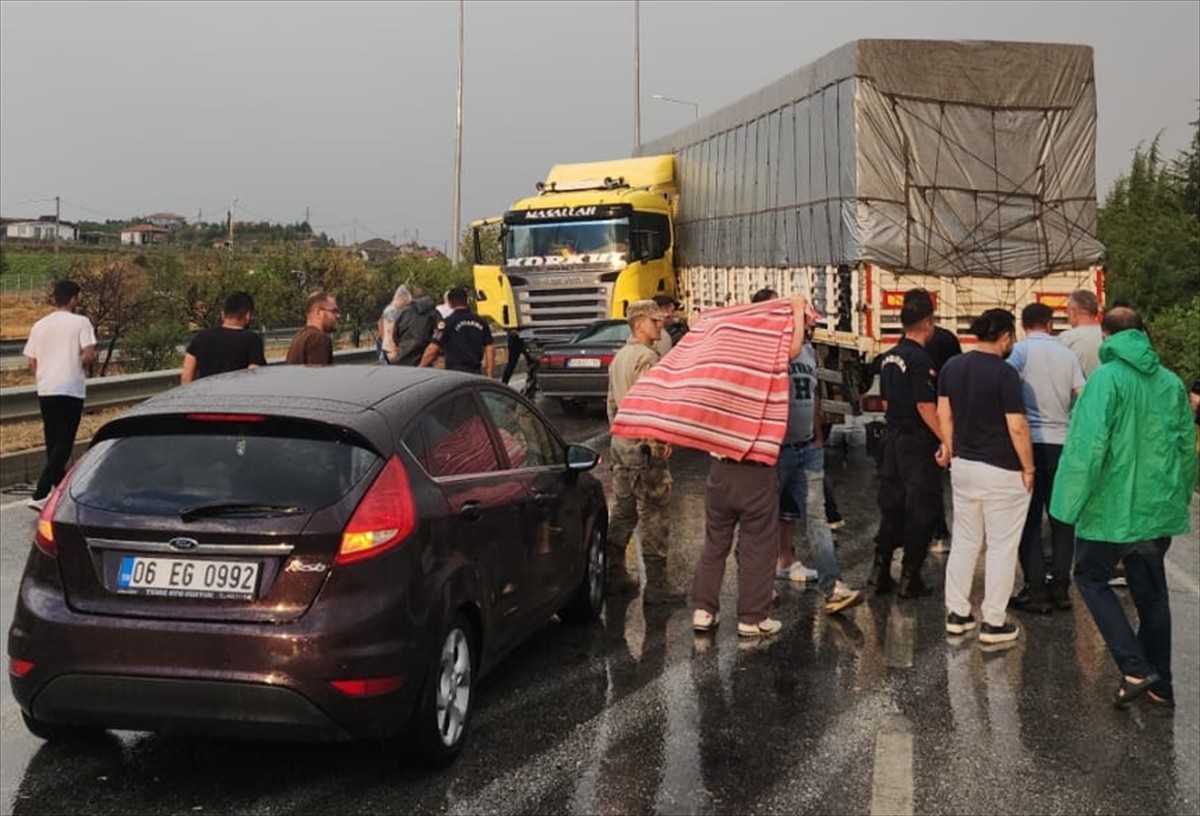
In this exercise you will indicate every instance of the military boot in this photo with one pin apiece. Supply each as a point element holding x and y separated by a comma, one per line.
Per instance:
<point>911,585</point>
<point>881,573</point>
<point>658,586</point>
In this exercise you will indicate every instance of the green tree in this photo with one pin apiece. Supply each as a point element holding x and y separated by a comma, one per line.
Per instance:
<point>1152,240</point>
<point>1150,226</point>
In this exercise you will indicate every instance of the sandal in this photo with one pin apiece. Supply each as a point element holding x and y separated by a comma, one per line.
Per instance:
<point>1127,692</point>
<point>704,621</point>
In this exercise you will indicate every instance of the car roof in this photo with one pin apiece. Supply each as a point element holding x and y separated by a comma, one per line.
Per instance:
<point>346,395</point>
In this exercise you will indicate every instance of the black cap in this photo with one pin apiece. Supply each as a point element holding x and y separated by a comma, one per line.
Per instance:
<point>667,300</point>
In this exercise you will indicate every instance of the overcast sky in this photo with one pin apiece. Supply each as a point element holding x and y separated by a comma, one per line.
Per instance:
<point>348,108</point>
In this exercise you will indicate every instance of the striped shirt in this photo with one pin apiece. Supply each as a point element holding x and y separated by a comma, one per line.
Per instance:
<point>722,389</point>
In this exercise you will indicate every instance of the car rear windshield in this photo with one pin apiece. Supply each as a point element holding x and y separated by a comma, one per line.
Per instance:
<point>604,333</point>
<point>165,474</point>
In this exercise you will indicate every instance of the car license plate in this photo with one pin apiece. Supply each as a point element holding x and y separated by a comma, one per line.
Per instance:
<point>583,362</point>
<point>187,577</point>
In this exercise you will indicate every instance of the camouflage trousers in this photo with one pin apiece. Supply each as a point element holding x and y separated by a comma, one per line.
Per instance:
<point>641,494</point>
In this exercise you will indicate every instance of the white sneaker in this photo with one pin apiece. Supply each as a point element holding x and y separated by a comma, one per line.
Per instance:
<point>797,573</point>
<point>842,597</point>
<point>37,504</point>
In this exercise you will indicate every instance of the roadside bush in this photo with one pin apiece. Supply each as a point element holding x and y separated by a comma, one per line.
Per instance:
<point>153,347</point>
<point>1176,334</point>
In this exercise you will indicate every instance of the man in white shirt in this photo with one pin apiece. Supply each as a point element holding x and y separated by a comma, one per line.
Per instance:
<point>59,347</point>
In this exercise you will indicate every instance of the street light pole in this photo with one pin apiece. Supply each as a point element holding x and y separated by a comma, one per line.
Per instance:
<point>695,105</point>
<point>458,118</point>
<point>637,75</point>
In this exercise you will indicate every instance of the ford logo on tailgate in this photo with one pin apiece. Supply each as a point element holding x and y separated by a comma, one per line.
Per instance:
<point>183,543</point>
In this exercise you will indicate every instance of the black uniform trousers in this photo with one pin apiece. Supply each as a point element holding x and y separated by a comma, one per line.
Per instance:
<point>910,484</point>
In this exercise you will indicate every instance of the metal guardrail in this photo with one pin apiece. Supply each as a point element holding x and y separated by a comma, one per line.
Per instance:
<point>19,404</point>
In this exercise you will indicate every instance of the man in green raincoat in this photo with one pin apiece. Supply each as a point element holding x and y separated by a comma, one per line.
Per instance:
<point>1125,480</point>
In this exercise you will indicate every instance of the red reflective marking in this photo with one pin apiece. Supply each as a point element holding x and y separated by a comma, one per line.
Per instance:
<point>369,686</point>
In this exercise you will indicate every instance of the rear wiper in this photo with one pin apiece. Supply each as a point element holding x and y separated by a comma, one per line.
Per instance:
<point>238,508</point>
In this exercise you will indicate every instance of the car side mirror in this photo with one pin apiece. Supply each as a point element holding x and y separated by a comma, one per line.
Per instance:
<point>581,458</point>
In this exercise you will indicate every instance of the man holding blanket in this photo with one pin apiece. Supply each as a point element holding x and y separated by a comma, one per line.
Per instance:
<point>724,389</point>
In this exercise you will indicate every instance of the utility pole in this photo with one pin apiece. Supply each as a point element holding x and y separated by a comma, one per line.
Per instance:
<point>637,75</point>
<point>56,217</point>
<point>306,217</point>
<point>458,122</point>
<point>232,204</point>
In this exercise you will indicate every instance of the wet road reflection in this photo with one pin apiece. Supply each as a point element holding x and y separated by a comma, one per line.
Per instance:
<point>870,711</point>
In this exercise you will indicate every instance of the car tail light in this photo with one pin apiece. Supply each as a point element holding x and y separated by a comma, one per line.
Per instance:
<point>226,417</point>
<point>43,537</point>
<point>369,686</point>
<point>555,360</point>
<point>873,405</point>
<point>384,517</point>
<point>606,360</point>
<point>544,360</point>
<point>18,667</point>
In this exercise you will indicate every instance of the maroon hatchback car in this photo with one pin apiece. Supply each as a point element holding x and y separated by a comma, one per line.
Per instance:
<point>304,553</point>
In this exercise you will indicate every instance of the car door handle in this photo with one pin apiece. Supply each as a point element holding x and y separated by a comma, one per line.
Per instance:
<point>544,499</point>
<point>470,511</point>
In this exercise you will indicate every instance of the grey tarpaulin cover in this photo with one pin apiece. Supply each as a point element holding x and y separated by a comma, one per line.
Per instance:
<point>944,157</point>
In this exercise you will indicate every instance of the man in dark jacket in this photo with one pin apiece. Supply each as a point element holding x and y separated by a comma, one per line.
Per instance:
<point>414,327</point>
<point>1125,480</point>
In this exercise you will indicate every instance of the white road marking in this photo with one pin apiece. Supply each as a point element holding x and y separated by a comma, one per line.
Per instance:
<point>892,780</point>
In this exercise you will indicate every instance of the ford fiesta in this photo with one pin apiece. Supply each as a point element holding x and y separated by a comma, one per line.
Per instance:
<point>304,553</point>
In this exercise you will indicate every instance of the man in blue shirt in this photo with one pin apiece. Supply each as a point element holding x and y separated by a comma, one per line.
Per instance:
<point>1051,377</point>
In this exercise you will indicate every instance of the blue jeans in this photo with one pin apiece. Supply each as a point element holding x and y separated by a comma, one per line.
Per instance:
<point>802,495</point>
<point>1149,651</point>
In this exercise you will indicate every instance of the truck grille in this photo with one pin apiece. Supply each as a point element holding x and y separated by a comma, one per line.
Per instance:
<point>556,311</point>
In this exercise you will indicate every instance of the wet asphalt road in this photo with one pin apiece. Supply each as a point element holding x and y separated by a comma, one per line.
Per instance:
<point>873,711</point>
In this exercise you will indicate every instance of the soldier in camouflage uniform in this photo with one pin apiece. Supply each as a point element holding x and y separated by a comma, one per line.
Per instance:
<point>641,477</point>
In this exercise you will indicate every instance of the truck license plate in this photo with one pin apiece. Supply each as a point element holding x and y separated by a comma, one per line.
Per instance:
<point>187,577</point>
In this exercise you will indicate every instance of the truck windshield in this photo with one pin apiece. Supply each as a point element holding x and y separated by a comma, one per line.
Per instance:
<point>567,238</point>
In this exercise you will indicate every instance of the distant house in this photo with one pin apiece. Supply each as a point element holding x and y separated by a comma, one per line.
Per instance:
<point>166,220</point>
<point>376,249</point>
<point>143,234</point>
<point>39,229</point>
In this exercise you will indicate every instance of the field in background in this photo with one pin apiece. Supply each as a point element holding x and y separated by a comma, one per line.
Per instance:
<point>18,312</point>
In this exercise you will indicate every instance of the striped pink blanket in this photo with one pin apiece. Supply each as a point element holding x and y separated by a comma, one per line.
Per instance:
<point>723,389</point>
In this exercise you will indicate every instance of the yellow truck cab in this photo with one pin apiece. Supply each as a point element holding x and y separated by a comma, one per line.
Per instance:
<point>596,237</point>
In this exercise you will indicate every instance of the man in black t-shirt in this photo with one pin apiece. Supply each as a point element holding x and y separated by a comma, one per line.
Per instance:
<point>228,347</point>
<point>981,410</point>
<point>909,477</point>
<point>463,337</point>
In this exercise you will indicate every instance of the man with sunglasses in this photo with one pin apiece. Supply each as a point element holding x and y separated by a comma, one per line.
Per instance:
<point>313,345</point>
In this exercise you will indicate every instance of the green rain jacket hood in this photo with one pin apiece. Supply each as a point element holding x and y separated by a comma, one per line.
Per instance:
<point>1129,463</point>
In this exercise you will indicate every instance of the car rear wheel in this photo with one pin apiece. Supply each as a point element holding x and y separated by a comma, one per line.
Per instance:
<point>588,601</point>
<point>58,732</point>
<point>572,407</point>
<point>449,694</point>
